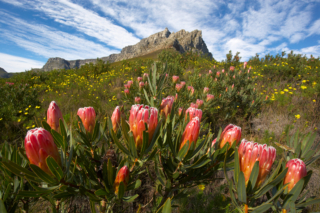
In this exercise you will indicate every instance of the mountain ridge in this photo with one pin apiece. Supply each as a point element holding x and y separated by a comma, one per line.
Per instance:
<point>181,41</point>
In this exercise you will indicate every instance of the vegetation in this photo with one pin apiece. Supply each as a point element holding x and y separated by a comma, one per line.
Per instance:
<point>271,98</point>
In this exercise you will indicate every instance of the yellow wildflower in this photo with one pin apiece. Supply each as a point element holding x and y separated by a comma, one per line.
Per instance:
<point>297,116</point>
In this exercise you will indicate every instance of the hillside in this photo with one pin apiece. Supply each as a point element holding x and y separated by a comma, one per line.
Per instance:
<point>4,74</point>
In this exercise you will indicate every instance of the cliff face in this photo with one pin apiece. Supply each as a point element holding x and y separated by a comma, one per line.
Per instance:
<point>181,41</point>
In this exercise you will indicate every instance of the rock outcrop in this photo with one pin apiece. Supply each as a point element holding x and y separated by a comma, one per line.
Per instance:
<point>4,74</point>
<point>181,41</point>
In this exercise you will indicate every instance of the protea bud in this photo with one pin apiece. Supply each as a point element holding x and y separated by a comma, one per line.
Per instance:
<point>191,132</point>
<point>183,83</point>
<point>296,171</point>
<point>231,68</point>
<point>193,112</point>
<point>178,87</point>
<point>137,100</point>
<point>205,90</point>
<point>145,76</point>
<point>39,144</point>
<point>232,86</point>
<point>180,111</point>
<point>175,79</point>
<point>249,153</point>
<point>176,97</point>
<point>141,85</point>
<point>199,102</point>
<point>130,83</point>
<point>88,118</point>
<point>122,176</point>
<point>53,116</point>
<point>126,91</point>
<point>222,71</point>
<point>115,118</point>
<point>230,134</point>
<point>210,72</point>
<point>218,74</point>
<point>127,86</point>
<point>244,64</point>
<point>139,116</point>
<point>139,79</point>
<point>210,97</point>
<point>166,105</point>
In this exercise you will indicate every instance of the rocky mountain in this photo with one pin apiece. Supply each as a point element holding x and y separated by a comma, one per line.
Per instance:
<point>181,41</point>
<point>4,74</point>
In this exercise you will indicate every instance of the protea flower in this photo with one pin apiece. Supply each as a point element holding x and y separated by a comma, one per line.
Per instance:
<point>193,112</point>
<point>222,71</point>
<point>88,118</point>
<point>127,86</point>
<point>296,170</point>
<point>137,100</point>
<point>141,85</point>
<point>199,102</point>
<point>183,83</point>
<point>126,91</point>
<point>175,79</point>
<point>249,153</point>
<point>139,116</point>
<point>115,119</point>
<point>39,144</point>
<point>218,74</point>
<point>231,68</point>
<point>139,79</point>
<point>145,76</point>
<point>178,87</point>
<point>205,90</point>
<point>191,132</point>
<point>180,111</point>
<point>244,64</point>
<point>130,83</point>
<point>191,89</point>
<point>53,116</point>
<point>166,105</point>
<point>210,97</point>
<point>232,86</point>
<point>193,105</point>
<point>230,134</point>
<point>122,176</point>
<point>210,72</point>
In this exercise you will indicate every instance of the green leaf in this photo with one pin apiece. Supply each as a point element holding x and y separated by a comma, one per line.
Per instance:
<point>92,206</point>
<point>20,171</point>
<point>132,146</point>
<point>154,137</point>
<point>42,175</point>
<point>67,171</point>
<point>167,206</point>
<point>7,192</point>
<point>262,208</point>
<point>146,96</point>
<point>241,188</point>
<point>121,191</point>
<point>183,151</point>
<point>58,139</point>
<point>115,139</point>
<point>96,132</point>
<point>63,134</point>
<point>253,177</point>
<point>101,192</point>
<point>31,193</point>
<point>294,193</point>
<point>307,203</point>
<point>2,207</point>
<point>54,168</point>
<point>46,126</point>
<point>134,185</point>
<point>236,165</point>
<point>111,173</point>
<point>130,198</point>
<point>307,147</point>
<point>125,128</point>
<point>63,195</point>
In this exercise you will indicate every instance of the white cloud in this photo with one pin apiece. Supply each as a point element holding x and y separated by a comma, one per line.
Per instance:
<point>12,63</point>
<point>85,21</point>
<point>48,42</point>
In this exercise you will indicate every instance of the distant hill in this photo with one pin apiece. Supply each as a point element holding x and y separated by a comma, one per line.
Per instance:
<point>4,74</point>
<point>181,41</point>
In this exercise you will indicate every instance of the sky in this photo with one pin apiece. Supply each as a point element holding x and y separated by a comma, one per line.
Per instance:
<point>31,31</point>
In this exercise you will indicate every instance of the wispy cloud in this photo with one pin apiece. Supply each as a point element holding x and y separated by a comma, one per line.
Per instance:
<point>49,42</point>
<point>18,64</point>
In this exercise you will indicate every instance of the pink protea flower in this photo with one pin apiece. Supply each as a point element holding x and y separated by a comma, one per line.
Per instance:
<point>249,153</point>
<point>222,70</point>
<point>231,68</point>
<point>176,97</point>
<point>180,111</point>
<point>226,89</point>
<point>210,97</point>
<point>199,75</point>
<point>127,86</point>
<point>205,90</point>
<point>39,144</point>
<point>88,118</point>
<point>232,86</point>
<point>191,89</point>
<point>139,79</point>
<point>244,64</point>
<point>193,112</point>
<point>252,102</point>
<point>130,83</point>
<point>234,76</point>
<point>218,74</point>
<point>122,176</point>
<point>194,105</point>
<point>199,102</point>
<point>137,100</point>
<point>10,83</point>
<point>230,134</point>
<point>53,116</point>
<point>210,72</point>
<point>145,76</point>
<point>126,91</point>
<point>115,119</point>
<point>296,170</point>
<point>216,79</point>
<point>183,83</point>
<point>166,105</point>
<point>139,116</point>
<point>191,132</point>
<point>141,85</point>
<point>175,79</point>
<point>178,87</point>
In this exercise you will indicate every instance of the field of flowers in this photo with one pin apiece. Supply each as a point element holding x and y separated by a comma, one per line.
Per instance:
<point>145,135</point>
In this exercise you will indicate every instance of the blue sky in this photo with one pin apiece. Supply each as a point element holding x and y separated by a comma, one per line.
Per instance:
<point>31,31</point>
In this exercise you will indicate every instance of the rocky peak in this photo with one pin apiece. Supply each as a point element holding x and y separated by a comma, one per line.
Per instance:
<point>181,41</point>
